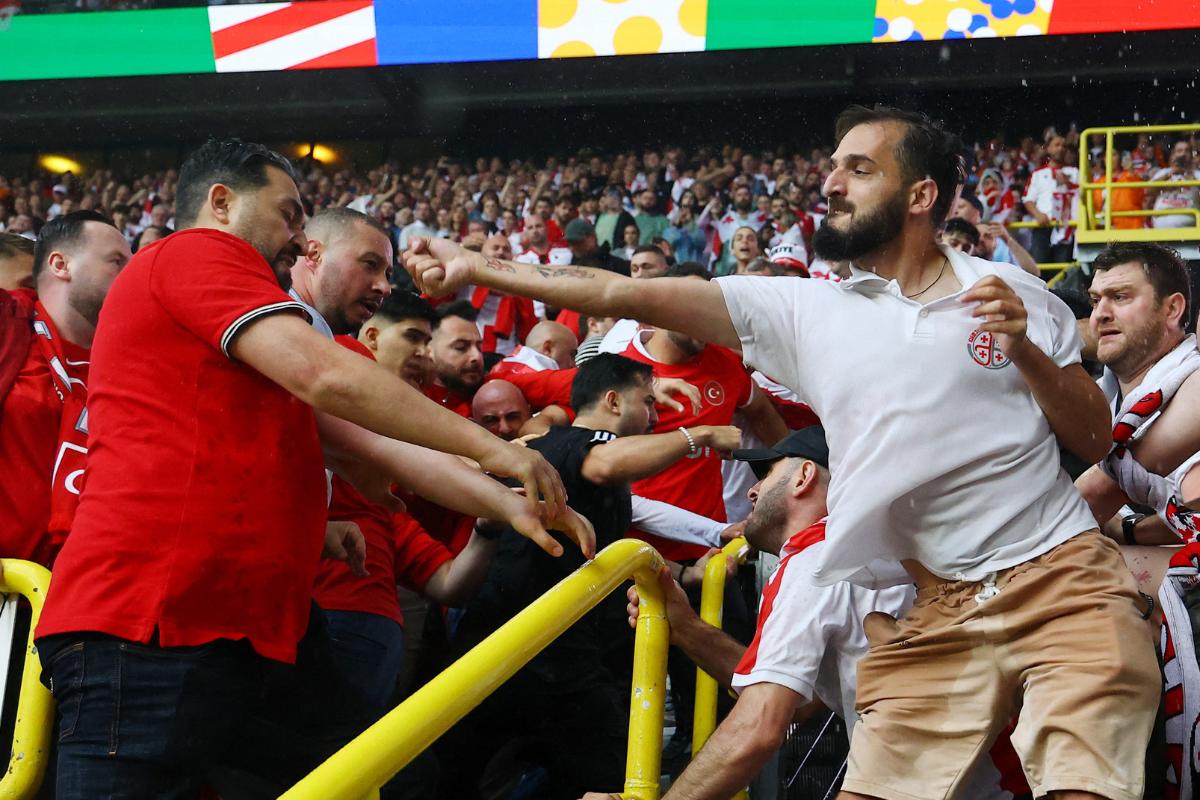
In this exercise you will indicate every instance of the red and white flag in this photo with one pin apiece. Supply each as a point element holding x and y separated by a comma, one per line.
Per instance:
<point>305,35</point>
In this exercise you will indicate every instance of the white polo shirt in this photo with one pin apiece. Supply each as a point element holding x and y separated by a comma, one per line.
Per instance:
<point>939,451</point>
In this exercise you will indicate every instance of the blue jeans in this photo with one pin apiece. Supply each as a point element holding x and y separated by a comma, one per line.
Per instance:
<point>369,651</point>
<point>139,721</point>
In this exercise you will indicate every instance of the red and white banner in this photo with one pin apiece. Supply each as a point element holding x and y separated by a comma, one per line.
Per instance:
<point>305,35</point>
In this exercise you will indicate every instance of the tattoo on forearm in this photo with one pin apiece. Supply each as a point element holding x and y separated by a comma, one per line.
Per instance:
<point>500,266</point>
<point>563,272</point>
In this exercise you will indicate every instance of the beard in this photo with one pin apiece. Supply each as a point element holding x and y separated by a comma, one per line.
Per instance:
<point>1136,347</point>
<point>770,512</point>
<point>743,207</point>
<point>867,232</point>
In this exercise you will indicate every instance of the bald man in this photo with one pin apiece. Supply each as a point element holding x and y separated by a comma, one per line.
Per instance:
<point>500,407</point>
<point>555,341</point>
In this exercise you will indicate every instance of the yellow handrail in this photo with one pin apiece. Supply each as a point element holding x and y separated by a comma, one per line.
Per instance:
<point>35,707</point>
<point>712,608</point>
<point>367,762</point>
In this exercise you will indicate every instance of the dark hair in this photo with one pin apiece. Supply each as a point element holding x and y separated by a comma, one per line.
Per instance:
<point>974,201</point>
<point>926,150</point>
<point>1163,267</point>
<point>63,232</point>
<point>688,269</point>
<point>12,244</point>
<point>649,248</point>
<point>241,166</point>
<point>459,308</point>
<point>604,372</point>
<point>400,305</point>
<point>961,226</point>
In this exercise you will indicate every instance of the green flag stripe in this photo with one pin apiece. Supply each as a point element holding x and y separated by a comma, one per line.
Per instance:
<point>737,24</point>
<point>106,43</point>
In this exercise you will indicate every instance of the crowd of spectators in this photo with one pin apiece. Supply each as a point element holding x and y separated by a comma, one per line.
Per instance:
<point>642,443</point>
<point>690,203</point>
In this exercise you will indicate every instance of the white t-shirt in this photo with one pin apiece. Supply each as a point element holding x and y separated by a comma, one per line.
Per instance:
<point>1054,191</point>
<point>1183,197</point>
<point>939,451</point>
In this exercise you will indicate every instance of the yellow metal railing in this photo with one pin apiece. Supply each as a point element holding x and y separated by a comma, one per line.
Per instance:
<point>35,706</point>
<point>712,609</point>
<point>370,760</point>
<point>1090,230</point>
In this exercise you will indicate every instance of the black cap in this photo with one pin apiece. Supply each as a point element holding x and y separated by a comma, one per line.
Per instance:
<point>805,443</point>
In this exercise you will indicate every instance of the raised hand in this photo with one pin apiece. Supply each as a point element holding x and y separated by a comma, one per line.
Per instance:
<point>440,267</point>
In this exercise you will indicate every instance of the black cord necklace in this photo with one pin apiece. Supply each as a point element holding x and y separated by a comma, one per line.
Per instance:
<point>941,272</point>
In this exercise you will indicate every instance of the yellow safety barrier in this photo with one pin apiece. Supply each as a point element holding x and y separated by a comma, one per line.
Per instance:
<point>370,760</point>
<point>1095,228</point>
<point>712,609</point>
<point>35,706</point>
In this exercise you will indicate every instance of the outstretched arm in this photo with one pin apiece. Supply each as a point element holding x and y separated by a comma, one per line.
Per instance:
<point>689,306</point>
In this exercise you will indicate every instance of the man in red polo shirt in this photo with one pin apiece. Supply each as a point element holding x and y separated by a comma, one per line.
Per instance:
<point>190,564</point>
<point>43,381</point>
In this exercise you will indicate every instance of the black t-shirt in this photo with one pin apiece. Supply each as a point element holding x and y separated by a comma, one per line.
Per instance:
<point>521,571</point>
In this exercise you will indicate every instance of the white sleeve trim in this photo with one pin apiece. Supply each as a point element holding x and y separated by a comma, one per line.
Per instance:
<point>798,685</point>
<point>675,523</point>
<point>236,326</point>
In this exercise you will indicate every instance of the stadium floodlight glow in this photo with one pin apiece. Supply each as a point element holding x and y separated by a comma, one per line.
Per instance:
<point>60,164</point>
<point>318,152</point>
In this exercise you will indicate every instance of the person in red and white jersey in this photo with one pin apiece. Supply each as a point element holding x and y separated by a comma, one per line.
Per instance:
<point>1186,198</point>
<point>999,200</point>
<point>45,342</point>
<point>565,210</point>
<point>195,544</point>
<point>538,247</point>
<point>549,346</point>
<point>1050,197</point>
<point>504,321</point>
<point>741,214</point>
<point>808,641</point>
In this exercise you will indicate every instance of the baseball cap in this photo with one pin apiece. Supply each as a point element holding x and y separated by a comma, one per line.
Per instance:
<point>59,188</point>
<point>578,230</point>
<point>805,443</point>
<point>790,256</point>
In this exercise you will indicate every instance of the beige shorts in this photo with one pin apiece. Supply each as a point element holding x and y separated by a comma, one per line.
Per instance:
<point>1063,643</point>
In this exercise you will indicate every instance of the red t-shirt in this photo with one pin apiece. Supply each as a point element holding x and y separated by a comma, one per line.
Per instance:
<point>693,483</point>
<point>397,549</point>
<point>448,527</point>
<point>449,398</point>
<point>203,514</point>
<point>31,415</point>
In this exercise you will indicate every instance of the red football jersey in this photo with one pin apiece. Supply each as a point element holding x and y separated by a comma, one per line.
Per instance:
<point>30,454</point>
<point>694,482</point>
<point>397,549</point>
<point>203,514</point>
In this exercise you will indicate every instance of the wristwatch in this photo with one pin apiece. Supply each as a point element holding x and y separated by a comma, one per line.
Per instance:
<point>1129,527</point>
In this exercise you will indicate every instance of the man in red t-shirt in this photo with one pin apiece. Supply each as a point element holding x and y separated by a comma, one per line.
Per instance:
<point>43,381</point>
<point>457,358</point>
<point>191,560</point>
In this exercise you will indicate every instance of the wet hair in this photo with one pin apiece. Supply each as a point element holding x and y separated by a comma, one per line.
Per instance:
<point>1163,267</point>
<point>63,233</point>
<point>964,228</point>
<point>602,373</point>
<point>12,245</point>
<point>242,166</point>
<point>926,150</point>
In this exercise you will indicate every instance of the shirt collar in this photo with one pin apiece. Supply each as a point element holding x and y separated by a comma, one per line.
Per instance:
<point>967,269</point>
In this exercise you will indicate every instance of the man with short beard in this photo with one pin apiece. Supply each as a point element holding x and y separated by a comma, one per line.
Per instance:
<point>944,421</point>
<point>1141,305</point>
<point>457,358</point>
<point>503,320</point>
<point>1050,197</point>
<point>539,249</point>
<point>45,343</point>
<point>809,638</point>
<point>344,274</point>
<point>741,215</point>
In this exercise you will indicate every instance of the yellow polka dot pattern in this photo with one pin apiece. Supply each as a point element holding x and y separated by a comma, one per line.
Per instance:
<point>573,28</point>
<point>928,20</point>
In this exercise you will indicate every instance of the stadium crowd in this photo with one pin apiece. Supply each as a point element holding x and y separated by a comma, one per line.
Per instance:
<point>280,430</point>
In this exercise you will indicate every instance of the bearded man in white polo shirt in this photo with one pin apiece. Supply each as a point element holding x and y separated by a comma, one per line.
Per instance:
<point>945,384</point>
